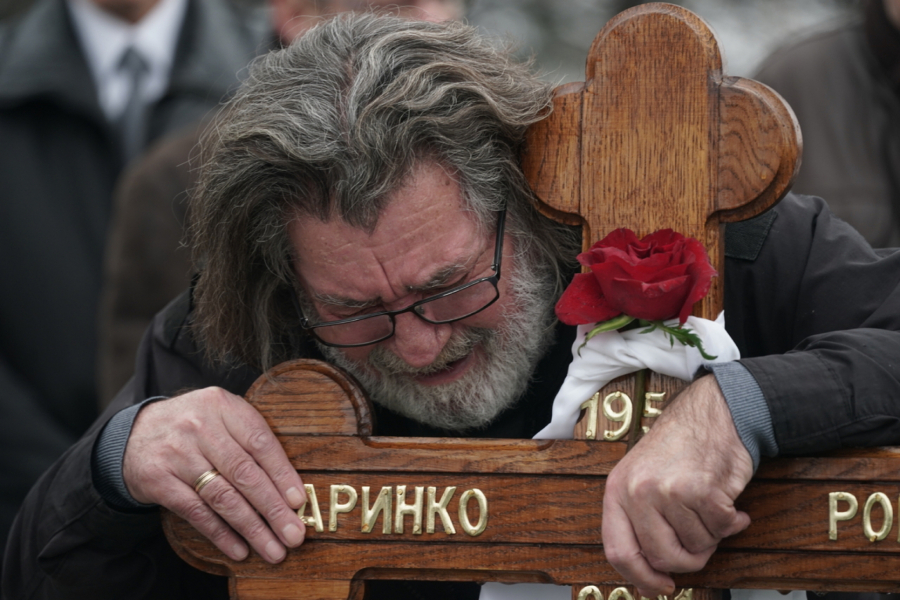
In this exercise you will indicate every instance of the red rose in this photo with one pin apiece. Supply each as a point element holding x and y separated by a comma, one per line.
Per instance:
<point>656,278</point>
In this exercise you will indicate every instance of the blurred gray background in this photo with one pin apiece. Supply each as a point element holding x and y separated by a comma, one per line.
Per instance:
<point>559,32</point>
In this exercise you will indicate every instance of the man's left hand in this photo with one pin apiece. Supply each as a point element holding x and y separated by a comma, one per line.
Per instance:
<point>670,501</point>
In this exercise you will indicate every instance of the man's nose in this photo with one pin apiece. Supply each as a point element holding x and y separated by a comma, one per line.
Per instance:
<point>418,342</point>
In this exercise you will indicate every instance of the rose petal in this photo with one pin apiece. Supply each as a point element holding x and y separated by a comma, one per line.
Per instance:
<point>657,277</point>
<point>662,237</point>
<point>583,302</point>
<point>620,239</point>
<point>655,261</point>
<point>650,301</point>
<point>645,271</point>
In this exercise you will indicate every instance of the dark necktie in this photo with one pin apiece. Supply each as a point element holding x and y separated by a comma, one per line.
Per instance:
<point>132,123</point>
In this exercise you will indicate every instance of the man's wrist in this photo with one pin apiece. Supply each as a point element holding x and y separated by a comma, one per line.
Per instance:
<point>108,455</point>
<point>748,407</point>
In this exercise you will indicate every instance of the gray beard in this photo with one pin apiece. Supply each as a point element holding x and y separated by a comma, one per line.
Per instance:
<point>500,372</point>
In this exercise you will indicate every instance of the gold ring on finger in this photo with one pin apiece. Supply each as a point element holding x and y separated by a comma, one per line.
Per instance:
<point>204,479</point>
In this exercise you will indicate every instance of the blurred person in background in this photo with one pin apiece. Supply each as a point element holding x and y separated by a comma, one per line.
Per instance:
<point>843,84</point>
<point>145,265</point>
<point>85,85</point>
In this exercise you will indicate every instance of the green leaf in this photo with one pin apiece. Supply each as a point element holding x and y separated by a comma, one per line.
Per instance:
<point>611,325</point>
<point>684,336</point>
<point>651,326</point>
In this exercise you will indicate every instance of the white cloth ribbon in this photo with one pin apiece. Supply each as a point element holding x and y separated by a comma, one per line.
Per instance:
<point>612,354</point>
<point>606,356</point>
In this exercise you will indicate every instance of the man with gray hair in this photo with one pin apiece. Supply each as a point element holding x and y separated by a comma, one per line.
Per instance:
<point>361,200</point>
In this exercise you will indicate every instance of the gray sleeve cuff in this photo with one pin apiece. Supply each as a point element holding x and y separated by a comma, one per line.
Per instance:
<point>108,455</point>
<point>748,409</point>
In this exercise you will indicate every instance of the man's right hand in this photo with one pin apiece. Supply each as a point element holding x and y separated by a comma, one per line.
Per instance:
<point>254,500</point>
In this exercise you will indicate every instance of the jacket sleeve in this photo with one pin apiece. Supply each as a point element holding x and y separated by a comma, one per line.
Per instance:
<point>68,543</point>
<point>817,315</point>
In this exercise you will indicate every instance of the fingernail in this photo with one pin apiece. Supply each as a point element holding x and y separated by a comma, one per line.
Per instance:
<point>294,497</point>
<point>239,552</point>
<point>292,534</point>
<point>275,551</point>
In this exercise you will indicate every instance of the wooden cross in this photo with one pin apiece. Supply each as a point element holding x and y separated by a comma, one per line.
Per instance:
<point>656,137</point>
<point>817,523</point>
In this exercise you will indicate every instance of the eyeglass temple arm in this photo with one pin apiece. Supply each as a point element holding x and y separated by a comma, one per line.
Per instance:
<point>498,250</point>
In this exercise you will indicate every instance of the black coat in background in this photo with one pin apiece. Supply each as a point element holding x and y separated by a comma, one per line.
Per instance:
<point>844,86</point>
<point>59,163</point>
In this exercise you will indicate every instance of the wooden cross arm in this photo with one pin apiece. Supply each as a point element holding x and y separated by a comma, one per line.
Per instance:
<point>759,145</point>
<point>529,510</point>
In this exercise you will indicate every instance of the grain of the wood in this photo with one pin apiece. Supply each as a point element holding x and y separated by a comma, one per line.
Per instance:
<point>653,124</point>
<point>443,455</point>
<point>252,588</point>
<point>557,499</point>
<point>553,142</point>
<point>759,148</point>
<point>313,401</point>
<point>560,563</point>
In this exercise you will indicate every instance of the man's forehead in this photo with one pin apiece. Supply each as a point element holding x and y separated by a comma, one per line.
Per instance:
<point>425,233</point>
<point>438,231</point>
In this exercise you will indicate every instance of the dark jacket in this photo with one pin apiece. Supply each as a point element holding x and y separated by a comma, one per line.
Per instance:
<point>814,310</point>
<point>58,165</point>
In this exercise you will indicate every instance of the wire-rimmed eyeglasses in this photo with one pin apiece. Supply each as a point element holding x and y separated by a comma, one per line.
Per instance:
<point>451,305</point>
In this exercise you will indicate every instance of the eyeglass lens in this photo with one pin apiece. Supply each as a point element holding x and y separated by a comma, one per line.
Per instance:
<point>442,309</point>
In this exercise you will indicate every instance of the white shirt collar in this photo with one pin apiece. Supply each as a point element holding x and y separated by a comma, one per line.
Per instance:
<point>105,38</point>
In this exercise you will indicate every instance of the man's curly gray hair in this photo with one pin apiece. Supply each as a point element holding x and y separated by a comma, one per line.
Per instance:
<point>329,127</point>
